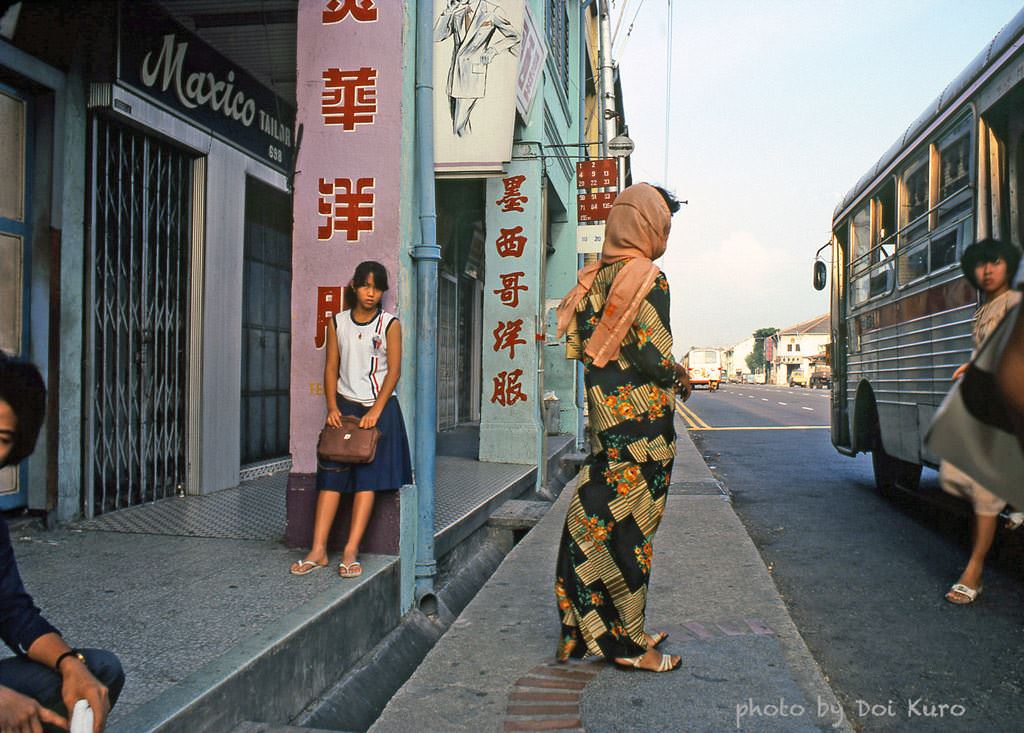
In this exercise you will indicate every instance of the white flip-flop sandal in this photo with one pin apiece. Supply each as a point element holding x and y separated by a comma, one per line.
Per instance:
<point>305,567</point>
<point>971,594</point>
<point>352,570</point>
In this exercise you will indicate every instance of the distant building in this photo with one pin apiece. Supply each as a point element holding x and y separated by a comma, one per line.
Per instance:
<point>734,359</point>
<point>796,347</point>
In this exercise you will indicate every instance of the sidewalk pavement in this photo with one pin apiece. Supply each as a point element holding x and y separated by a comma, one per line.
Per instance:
<point>745,665</point>
<point>195,597</point>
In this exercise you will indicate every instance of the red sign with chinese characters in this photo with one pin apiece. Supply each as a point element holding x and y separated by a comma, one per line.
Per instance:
<point>600,173</point>
<point>594,206</point>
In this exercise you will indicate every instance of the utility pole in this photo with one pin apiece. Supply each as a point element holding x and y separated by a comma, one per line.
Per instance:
<point>609,125</point>
<point>668,93</point>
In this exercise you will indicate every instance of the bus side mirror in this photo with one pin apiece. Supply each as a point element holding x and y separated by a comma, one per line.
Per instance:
<point>820,275</point>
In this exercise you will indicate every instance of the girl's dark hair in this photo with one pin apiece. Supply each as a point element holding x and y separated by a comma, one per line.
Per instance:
<point>361,277</point>
<point>670,200</point>
<point>21,386</point>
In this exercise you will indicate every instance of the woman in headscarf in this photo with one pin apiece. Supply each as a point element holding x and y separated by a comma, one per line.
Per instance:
<point>617,321</point>
<point>989,265</point>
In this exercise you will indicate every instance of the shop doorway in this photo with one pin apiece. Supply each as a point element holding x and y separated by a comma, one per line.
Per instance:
<point>14,235</point>
<point>138,294</point>
<point>461,234</point>
<point>266,323</point>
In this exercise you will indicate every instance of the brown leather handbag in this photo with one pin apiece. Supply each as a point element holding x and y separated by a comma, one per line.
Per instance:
<point>349,443</point>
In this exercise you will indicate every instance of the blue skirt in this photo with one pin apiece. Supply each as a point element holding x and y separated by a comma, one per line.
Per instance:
<point>391,467</point>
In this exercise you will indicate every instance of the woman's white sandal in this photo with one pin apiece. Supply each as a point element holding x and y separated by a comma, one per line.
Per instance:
<point>971,594</point>
<point>666,664</point>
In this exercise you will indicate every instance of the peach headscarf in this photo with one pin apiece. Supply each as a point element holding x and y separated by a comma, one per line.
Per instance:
<point>637,231</point>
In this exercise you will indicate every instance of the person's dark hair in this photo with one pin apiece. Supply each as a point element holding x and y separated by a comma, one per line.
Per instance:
<point>362,276</point>
<point>989,250</point>
<point>670,200</point>
<point>21,386</point>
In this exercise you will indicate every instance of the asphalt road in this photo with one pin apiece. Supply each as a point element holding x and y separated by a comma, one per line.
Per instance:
<point>864,576</point>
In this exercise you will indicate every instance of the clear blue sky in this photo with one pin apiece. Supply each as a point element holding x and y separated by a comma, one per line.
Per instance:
<point>778,107</point>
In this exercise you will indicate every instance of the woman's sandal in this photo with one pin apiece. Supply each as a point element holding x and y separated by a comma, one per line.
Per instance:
<point>666,664</point>
<point>352,570</point>
<point>305,567</point>
<point>654,641</point>
<point>971,594</point>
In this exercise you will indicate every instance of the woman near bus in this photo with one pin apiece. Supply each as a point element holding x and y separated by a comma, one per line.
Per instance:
<point>617,320</point>
<point>988,265</point>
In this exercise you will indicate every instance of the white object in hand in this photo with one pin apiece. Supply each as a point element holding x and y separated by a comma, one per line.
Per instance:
<point>81,718</point>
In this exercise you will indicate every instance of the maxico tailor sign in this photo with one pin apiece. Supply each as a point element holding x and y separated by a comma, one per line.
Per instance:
<point>164,61</point>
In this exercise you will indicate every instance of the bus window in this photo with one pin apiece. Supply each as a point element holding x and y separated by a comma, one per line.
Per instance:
<point>944,249</point>
<point>954,152</point>
<point>860,233</point>
<point>913,262</point>
<point>884,221</point>
<point>914,201</point>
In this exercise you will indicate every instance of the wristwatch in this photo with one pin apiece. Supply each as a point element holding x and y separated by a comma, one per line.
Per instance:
<point>70,653</point>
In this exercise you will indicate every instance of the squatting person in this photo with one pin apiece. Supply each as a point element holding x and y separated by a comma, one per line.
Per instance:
<point>46,677</point>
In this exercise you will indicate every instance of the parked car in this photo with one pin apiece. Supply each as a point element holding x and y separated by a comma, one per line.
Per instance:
<point>798,379</point>
<point>821,377</point>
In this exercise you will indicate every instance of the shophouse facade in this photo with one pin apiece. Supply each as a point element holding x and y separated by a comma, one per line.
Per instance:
<point>504,154</point>
<point>196,181</point>
<point>734,359</point>
<point>151,252</point>
<point>796,347</point>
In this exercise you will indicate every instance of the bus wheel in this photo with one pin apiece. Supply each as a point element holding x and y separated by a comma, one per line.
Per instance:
<point>891,472</point>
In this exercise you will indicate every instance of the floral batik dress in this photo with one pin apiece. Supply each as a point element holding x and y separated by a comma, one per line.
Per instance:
<point>604,561</point>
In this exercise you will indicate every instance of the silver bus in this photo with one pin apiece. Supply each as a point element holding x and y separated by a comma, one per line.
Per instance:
<point>901,310</point>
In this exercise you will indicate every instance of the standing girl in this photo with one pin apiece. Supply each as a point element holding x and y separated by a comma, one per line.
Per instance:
<point>363,364</point>
<point>988,265</point>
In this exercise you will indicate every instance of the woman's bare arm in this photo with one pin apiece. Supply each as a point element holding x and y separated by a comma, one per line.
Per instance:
<point>332,361</point>
<point>387,388</point>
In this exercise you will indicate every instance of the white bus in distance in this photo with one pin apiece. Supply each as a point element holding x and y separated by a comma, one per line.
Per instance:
<point>704,367</point>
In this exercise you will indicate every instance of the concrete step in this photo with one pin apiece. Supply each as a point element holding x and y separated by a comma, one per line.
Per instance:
<point>250,727</point>
<point>575,458</point>
<point>519,514</point>
<point>358,698</point>
<point>275,672</point>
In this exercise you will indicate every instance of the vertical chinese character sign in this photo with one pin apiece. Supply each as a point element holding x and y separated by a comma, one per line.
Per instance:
<point>514,252</point>
<point>347,182</point>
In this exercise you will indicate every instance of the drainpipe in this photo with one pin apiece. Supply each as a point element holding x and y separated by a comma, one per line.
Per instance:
<point>426,255</point>
<point>584,69</point>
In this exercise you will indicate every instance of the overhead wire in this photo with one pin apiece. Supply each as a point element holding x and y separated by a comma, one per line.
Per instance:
<point>618,23</point>
<point>629,31</point>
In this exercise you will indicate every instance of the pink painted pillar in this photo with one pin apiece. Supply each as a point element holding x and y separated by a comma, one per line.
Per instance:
<point>346,210</point>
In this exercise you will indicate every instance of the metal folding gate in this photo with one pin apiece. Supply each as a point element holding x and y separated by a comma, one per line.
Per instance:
<point>139,280</point>
<point>447,351</point>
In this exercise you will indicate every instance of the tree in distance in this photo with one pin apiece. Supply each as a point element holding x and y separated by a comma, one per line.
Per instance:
<point>755,359</point>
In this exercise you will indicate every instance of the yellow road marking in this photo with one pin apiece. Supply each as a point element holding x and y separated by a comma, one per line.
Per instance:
<point>694,416</point>
<point>772,427</point>
<point>691,423</point>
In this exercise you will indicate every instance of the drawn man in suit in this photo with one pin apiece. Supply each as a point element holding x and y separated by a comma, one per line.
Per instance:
<point>478,35</point>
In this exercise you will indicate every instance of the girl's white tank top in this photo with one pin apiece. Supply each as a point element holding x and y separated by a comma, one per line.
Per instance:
<point>363,348</point>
